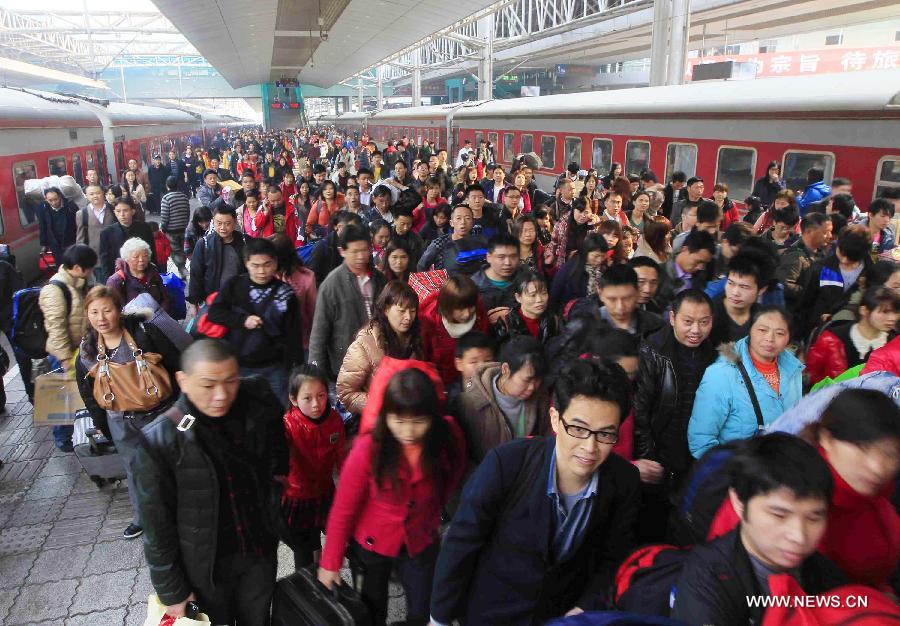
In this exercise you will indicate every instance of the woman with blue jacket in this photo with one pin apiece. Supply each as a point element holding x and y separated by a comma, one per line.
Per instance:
<point>723,410</point>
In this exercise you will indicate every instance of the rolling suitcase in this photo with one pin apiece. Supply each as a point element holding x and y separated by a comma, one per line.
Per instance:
<point>301,600</point>
<point>97,455</point>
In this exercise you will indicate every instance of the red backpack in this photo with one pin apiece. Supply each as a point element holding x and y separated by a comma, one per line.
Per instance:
<point>202,327</point>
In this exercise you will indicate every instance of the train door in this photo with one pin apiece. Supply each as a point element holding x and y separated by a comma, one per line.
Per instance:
<point>77,171</point>
<point>102,169</point>
<point>119,148</point>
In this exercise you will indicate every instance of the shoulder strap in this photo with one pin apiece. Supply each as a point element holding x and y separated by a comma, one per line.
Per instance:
<point>760,424</point>
<point>65,292</point>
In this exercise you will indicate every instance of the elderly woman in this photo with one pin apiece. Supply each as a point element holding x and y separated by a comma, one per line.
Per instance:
<point>117,335</point>
<point>135,274</point>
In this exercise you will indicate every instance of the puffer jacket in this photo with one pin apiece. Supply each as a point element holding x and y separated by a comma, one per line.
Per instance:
<point>316,450</point>
<point>130,287</point>
<point>65,324</point>
<point>722,408</point>
<point>173,473</point>
<point>484,423</point>
<point>828,355</point>
<point>885,358</point>
<point>656,397</point>
<point>813,193</point>
<point>438,345</point>
<point>362,357</point>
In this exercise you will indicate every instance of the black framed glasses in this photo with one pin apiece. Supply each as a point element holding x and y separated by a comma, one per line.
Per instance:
<point>579,432</point>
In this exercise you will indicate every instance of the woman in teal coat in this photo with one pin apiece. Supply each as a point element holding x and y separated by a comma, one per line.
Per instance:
<point>723,410</point>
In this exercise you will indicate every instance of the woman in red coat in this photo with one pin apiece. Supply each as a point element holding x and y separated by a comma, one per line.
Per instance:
<point>446,316</point>
<point>842,347</point>
<point>316,440</point>
<point>394,485</point>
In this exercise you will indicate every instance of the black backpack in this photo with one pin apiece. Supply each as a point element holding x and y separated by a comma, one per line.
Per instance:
<point>645,581</point>
<point>29,335</point>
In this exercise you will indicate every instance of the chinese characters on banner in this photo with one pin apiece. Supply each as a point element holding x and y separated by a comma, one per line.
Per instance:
<point>800,62</point>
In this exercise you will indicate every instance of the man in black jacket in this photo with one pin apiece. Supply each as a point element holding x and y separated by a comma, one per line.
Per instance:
<point>616,303</point>
<point>326,254</point>
<point>205,478</point>
<point>672,363</point>
<point>157,174</point>
<point>113,236</point>
<point>544,522</point>
<point>780,488</point>
<point>218,256</point>
<point>262,317</point>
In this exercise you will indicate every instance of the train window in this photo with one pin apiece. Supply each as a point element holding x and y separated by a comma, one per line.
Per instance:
<point>681,157</point>
<point>145,160</point>
<point>637,157</point>
<point>77,171</point>
<point>57,166</point>
<point>573,151</point>
<point>22,171</point>
<point>887,175</point>
<point>735,167</point>
<point>88,161</point>
<point>479,137</point>
<point>548,151</point>
<point>509,147</point>
<point>797,162</point>
<point>493,139</point>
<point>601,155</point>
<point>101,165</point>
<point>527,144</point>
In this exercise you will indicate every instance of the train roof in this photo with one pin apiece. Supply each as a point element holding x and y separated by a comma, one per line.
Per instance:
<point>857,91</point>
<point>21,108</point>
<point>354,116</point>
<point>435,111</point>
<point>128,114</point>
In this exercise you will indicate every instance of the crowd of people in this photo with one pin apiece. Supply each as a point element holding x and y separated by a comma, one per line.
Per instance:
<point>493,388</point>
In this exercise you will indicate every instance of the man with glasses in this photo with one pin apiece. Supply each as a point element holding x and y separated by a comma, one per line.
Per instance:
<point>543,522</point>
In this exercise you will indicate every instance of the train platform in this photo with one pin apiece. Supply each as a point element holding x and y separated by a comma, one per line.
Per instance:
<point>63,560</point>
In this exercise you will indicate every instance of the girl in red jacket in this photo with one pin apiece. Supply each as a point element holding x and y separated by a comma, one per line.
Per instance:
<point>394,485</point>
<point>316,439</point>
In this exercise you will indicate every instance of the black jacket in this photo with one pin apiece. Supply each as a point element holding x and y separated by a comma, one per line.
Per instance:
<point>157,177</point>
<point>57,227</point>
<point>149,339</point>
<point>591,308</point>
<point>10,282</point>
<point>513,325</point>
<point>496,564</point>
<point>824,294</point>
<point>670,284</point>
<point>717,578</point>
<point>178,488</point>
<point>655,399</point>
<point>325,257</point>
<point>113,236</point>
<point>206,265</point>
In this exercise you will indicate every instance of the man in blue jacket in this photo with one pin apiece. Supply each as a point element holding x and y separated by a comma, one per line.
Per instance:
<point>816,189</point>
<point>543,522</point>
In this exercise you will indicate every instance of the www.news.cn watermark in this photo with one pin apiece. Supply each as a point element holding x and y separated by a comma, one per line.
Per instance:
<point>808,602</point>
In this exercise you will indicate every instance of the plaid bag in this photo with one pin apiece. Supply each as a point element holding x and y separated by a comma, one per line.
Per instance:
<point>426,283</point>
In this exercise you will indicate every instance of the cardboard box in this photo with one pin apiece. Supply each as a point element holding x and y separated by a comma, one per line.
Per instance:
<point>56,399</point>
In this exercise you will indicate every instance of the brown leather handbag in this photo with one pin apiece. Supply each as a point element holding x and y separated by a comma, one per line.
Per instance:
<point>138,386</point>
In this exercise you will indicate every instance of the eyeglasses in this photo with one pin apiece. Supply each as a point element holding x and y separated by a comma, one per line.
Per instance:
<point>602,436</point>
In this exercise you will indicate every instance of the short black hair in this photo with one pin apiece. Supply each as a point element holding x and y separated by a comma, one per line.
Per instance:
<point>352,233</point>
<point>377,224</point>
<point>171,183</point>
<point>259,246</point>
<point>788,216</point>
<point>224,209</point>
<point>126,200</point>
<point>814,175</point>
<point>764,464</point>
<point>525,277</point>
<point>502,240</point>
<point>472,340</point>
<point>643,261</point>
<point>696,296</point>
<point>303,373</point>
<point>747,264</point>
<point>708,212</point>
<point>79,254</point>
<point>619,275</point>
<point>474,187</point>
<point>694,179</point>
<point>381,190</point>
<point>698,240</point>
<point>812,220</point>
<point>364,170</point>
<point>345,217</point>
<point>599,379</point>
<point>840,181</point>
<point>56,191</point>
<point>521,350</point>
<point>318,168</point>
<point>861,416</point>
<point>881,205</point>
<point>207,172</point>
<point>572,168</point>
<point>853,242</point>
<point>206,351</point>
<point>844,204</point>
<point>738,233</point>
<point>648,176</point>
<point>678,177</point>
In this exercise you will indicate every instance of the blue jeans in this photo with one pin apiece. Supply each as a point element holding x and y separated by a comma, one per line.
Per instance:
<point>277,377</point>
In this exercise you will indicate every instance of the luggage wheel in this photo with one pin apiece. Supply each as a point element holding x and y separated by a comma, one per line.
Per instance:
<point>98,481</point>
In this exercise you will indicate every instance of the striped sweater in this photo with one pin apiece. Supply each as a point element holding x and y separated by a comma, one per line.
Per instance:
<point>175,212</point>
